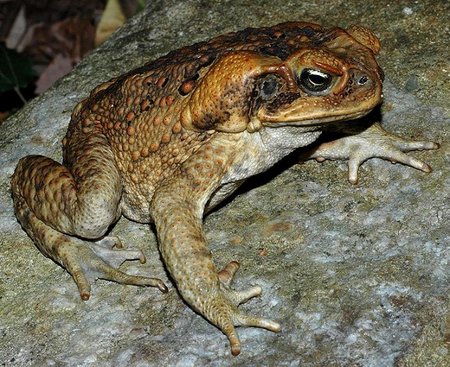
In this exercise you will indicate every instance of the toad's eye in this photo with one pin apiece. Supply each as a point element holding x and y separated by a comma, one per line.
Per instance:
<point>314,81</point>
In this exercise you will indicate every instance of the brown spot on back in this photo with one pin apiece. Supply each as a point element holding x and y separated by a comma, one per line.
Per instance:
<point>165,138</point>
<point>145,105</point>
<point>176,128</point>
<point>130,116</point>
<point>186,87</point>
<point>169,100</point>
<point>162,81</point>
<point>154,147</point>
<point>135,155</point>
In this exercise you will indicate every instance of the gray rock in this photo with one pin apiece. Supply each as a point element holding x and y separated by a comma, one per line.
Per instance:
<point>357,275</point>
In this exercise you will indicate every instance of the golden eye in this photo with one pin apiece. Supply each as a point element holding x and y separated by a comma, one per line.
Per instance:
<point>314,81</point>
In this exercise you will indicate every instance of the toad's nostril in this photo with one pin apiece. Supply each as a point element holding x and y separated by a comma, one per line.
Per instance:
<point>363,80</point>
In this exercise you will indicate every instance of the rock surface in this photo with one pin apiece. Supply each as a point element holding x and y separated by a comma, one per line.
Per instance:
<point>357,275</point>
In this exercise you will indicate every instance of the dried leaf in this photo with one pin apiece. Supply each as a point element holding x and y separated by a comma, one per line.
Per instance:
<point>59,67</point>
<point>17,30</point>
<point>112,19</point>
<point>72,38</point>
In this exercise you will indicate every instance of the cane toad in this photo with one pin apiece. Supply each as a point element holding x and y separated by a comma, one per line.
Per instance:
<point>168,141</point>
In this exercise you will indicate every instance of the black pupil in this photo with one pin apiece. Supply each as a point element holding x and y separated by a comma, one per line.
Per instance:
<point>314,81</point>
<point>317,79</point>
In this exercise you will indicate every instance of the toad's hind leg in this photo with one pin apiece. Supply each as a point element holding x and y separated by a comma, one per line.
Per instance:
<point>64,210</point>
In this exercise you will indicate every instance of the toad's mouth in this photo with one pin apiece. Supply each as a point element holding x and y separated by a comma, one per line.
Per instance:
<point>315,120</point>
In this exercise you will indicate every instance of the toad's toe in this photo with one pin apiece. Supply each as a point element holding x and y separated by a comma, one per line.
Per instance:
<point>238,318</point>
<point>87,261</point>
<point>223,311</point>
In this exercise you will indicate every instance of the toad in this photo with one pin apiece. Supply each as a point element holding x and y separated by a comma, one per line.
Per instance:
<point>168,141</point>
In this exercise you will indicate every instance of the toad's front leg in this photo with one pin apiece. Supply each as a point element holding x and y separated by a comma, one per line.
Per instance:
<point>177,210</point>
<point>361,143</point>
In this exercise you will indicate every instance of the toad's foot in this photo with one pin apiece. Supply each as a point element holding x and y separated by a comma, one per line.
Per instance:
<point>373,142</point>
<point>87,261</point>
<point>227,315</point>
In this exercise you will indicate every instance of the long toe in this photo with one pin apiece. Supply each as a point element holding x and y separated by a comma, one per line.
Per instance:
<point>107,272</point>
<point>78,275</point>
<point>407,145</point>
<point>87,261</point>
<point>238,318</point>
<point>246,320</point>
<point>410,161</point>
<point>233,338</point>
<point>239,297</point>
